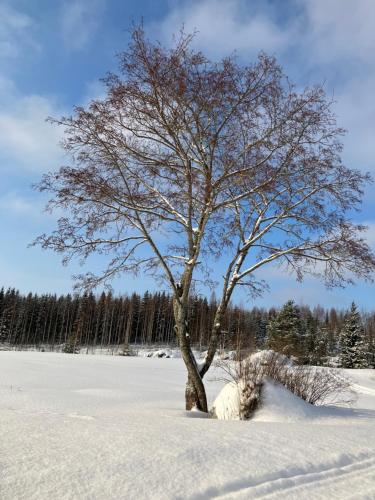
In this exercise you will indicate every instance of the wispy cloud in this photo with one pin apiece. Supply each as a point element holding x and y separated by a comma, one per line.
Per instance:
<point>223,26</point>
<point>79,22</point>
<point>95,89</point>
<point>26,140</point>
<point>18,204</point>
<point>15,32</point>
<point>338,29</point>
<point>317,41</point>
<point>370,233</point>
<point>337,41</point>
<point>15,203</point>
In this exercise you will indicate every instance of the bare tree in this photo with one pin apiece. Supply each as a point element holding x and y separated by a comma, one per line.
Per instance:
<point>185,161</point>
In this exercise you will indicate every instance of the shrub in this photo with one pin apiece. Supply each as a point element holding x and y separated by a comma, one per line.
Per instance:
<point>70,346</point>
<point>315,385</point>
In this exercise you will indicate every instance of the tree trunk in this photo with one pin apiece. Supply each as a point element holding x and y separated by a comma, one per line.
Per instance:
<point>195,393</point>
<point>191,396</point>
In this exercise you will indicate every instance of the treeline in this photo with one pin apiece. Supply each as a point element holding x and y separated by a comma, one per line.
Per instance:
<point>72,322</point>
<point>310,341</point>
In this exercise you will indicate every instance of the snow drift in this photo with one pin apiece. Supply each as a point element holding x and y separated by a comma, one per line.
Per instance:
<point>112,427</point>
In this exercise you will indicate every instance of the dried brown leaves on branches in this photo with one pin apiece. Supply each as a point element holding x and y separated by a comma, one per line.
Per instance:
<point>185,160</point>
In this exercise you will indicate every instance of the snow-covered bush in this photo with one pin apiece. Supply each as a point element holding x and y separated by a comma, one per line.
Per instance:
<point>243,393</point>
<point>237,400</point>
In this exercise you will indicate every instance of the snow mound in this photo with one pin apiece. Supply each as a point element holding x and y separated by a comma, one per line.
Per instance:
<point>236,401</point>
<point>278,404</point>
<point>241,397</point>
<point>160,353</point>
<point>274,403</point>
<point>227,404</point>
<point>268,355</point>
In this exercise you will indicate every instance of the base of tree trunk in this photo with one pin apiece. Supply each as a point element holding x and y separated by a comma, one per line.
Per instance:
<point>192,400</point>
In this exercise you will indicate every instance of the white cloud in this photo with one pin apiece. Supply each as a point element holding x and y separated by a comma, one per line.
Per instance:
<point>15,32</point>
<point>80,20</point>
<point>26,140</point>
<point>336,43</point>
<point>318,31</point>
<point>223,26</point>
<point>340,29</point>
<point>15,203</point>
<point>355,108</point>
<point>95,90</point>
<point>318,41</point>
<point>370,234</point>
<point>20,205</point>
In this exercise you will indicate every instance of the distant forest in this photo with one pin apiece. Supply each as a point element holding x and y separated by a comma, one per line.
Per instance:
<point>113,323</point>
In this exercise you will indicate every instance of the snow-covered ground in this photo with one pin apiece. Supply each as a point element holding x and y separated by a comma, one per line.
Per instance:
<point>102,427</point>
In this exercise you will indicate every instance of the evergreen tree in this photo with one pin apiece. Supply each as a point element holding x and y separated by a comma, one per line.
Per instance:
<point>259,323</point>
<point>319,351</point>
<point>70,346</point>
<point>285,331</point>
<point>353,349</point>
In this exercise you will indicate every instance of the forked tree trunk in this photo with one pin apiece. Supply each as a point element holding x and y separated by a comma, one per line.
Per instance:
<point>195,393</point>
<point>192,399</point>
<point>194,384</point>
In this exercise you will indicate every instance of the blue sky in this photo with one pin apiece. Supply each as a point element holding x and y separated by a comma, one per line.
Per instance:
<point>53,53</point>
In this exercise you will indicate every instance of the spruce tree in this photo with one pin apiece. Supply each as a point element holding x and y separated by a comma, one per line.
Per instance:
<point>284,332</point>
<point>318,355</point>
<point>353,348</point>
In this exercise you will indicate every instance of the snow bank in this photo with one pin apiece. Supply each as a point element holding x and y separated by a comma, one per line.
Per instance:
<point>285,391</point>
<point>113,427</point>
<point>268,355</point>
<point>278,404</point>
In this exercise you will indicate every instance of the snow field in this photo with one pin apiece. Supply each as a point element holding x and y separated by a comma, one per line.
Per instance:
<point>102,427</point>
